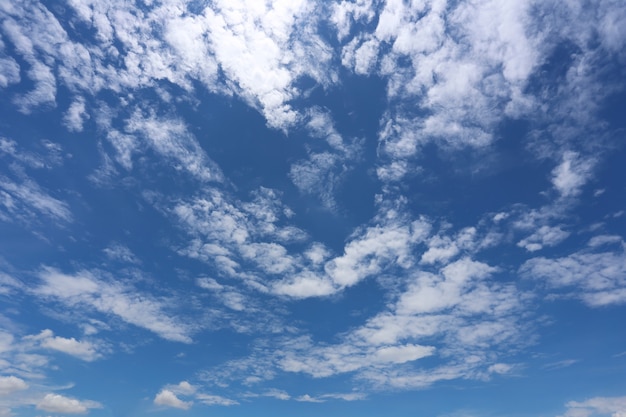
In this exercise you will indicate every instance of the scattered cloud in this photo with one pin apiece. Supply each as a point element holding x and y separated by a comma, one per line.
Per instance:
<point>119,252</point>
<point>27,200</point>
<point>56,403</point>
<point>573,173</point>
<point>169,399</point>
<point>597,407</point>
<point>215,400</point>
<point>85,350</point>
<point>596,275</point>
<point>92,290</point>
<point>75,116</point>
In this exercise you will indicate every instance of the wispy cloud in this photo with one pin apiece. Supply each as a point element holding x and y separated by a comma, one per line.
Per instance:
<point>596,274</point>
<point>596,407</point>
<point>93,291</point>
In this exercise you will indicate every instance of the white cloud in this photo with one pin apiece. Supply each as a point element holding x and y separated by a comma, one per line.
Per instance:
<point>596,277</point>
<point>27,200</point>
<point>366,254</point>
<point>11,384</point>
<point>169,399</point>
<point>9,72</point>
<point>184,387</point>
<point>304,285</point>
<point>572,174</point>
<point>75,116</point>
<point>44,91</point>
<point>215,400</point>
<point>56,403</point>
<point>597,407</point>
<point>119,252</point>
<point>543,236</point>
<point>171,138</point>
<point>85,350</point>
<point>87,289</point>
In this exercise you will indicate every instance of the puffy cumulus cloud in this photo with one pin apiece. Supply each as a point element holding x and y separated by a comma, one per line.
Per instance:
<point>389,242</point>
<point>56,403</point>
<point>264,37</point>
<point>93,291</point>
<point>85,350</point>
<point>168,399</point>
<point>444,56</point>
<point>597,407</point>
<point>11,384</point>
<point>464,67</point>
<point>595,274</point>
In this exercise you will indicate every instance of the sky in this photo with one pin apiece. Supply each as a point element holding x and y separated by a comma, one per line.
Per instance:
<point>306,207</point>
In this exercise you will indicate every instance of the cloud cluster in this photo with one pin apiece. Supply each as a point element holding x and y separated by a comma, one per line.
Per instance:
<point>595,274</point>
<point>169,397</point>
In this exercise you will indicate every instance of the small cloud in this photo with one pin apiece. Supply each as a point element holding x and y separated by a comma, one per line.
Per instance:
<point>55,403</point>
<point>183,388</point>
<point>500,368</point>
<point>560,364</point>
<point>215,400</point>
<point>168,399</point>
<point>75,116</point>
<point>84,350</point>
<point>572,174</point>
<point>118,252</point>
<point>308,399</point>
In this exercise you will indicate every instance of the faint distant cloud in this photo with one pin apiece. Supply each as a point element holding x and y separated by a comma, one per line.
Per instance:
<point>119,252</point>
<point>560,364</point>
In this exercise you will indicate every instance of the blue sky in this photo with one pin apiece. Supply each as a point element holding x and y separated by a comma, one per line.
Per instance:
<point>290,207</point>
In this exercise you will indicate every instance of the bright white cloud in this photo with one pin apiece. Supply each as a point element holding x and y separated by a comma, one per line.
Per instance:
<point>85,350</point>
<point>169,399</point>
<point>11,384</point>
<point>56,403</point>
